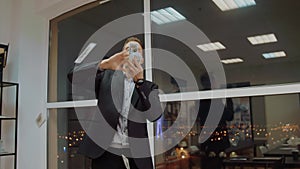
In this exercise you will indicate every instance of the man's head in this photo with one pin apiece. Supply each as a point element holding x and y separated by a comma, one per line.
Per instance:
<point>134,41</point>
<point>208,81</point>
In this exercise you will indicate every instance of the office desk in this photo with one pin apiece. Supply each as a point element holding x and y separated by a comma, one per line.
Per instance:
<point>274,162</point>
<point>290,163</point>
<point>285,151</point>
<point>287,163</point>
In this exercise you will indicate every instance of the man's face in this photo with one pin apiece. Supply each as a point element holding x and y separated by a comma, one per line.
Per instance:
<point>140,49</point>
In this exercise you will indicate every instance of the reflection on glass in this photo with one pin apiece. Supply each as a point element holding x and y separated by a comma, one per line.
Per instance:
<point>269,121</point>
<point>178,130</point>
<point>258,60</point>
<point>69,35</point>
<point>64,139</point>
<point>240,131</point>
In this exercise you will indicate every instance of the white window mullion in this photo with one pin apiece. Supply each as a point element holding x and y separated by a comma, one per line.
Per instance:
<point>148,65</point>
<point>197,95</point>
<point>147,36</point>
<point>235,92</point>
<point>70,104</point>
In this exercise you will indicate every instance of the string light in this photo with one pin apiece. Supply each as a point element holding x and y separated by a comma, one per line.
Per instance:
<point>75,137</point>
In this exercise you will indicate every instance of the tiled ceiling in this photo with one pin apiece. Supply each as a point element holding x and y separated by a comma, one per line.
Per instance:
<point>229,27</point>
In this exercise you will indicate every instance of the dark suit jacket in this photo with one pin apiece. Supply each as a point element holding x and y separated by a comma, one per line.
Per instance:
<point>108,87</point>
<point>216,145</point>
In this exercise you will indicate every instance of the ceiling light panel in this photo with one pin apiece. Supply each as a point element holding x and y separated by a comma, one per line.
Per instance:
<point>232,60</point>
<point>262,39</point>
<point>211,46</point>
<point>274,55</point>
<point>166,15</point>
<point>226,5</point>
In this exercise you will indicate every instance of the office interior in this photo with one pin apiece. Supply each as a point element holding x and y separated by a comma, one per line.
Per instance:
<point>253,56</point>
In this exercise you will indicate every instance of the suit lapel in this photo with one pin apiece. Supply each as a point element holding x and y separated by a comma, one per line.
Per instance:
<point>135,97</point>
<point>117,89</point>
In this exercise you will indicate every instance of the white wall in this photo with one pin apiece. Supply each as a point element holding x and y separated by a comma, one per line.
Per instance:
<point>33,37</point>
<point>27,35</point>
<point>25,25</point>
<point>8,34</point>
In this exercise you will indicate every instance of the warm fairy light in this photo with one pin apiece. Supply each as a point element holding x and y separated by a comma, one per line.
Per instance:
<point>75,137</point>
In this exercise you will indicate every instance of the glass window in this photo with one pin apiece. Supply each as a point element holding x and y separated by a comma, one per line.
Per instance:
<point>260,121</point>
<point>74,32</point>
<point>241,54</point>
<point>183,52</point>
<point>64,135</point>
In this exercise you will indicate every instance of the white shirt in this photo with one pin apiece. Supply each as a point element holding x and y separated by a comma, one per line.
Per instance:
<point>120,139</point>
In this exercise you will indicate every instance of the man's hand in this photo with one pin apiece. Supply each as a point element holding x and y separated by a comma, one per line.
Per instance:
<point>116,62</point>
<point>120,61</point>
<point>133,69</point>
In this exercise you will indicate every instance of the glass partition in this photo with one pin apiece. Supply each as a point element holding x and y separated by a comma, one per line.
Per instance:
<point>260,121</point>
<point>178,130</point>
<point>244,41</point>
<point>83,32</point>
<point>64,136</point>
<point>182,61</point>
<point>270,121</point>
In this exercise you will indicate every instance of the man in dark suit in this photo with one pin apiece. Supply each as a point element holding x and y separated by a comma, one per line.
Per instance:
<point>126,101</point>
<point>219,139</point>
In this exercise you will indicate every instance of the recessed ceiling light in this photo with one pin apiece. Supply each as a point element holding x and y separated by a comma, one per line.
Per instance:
<point>261,39</point>
<point>211,46</point>
<point>166,15</point>
<point>233,60</point>
<point>274,55</point>
<point>226,5</point>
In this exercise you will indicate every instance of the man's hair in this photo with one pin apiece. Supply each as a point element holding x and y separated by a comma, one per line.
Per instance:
<point>205,81</point>
<point>135,39</point>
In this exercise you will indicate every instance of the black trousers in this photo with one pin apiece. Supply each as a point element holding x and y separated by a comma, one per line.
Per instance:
<point>111,161</point>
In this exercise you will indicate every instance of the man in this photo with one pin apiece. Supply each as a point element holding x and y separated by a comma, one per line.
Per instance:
<point>219,139</point>
<point>126,101</point>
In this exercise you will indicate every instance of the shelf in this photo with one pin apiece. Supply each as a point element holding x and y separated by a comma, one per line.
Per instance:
<point>8,84</point>
<point>7,154</point>
<point>12,117</point>
<point>7,118</point>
